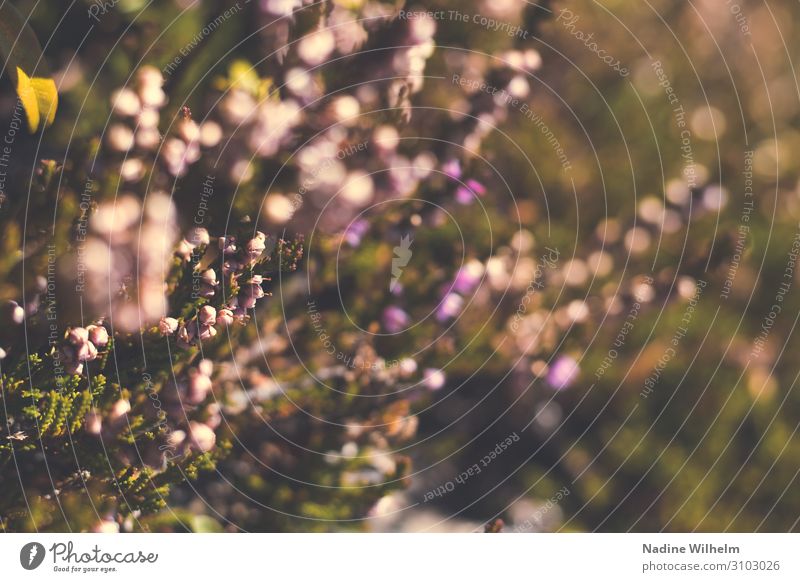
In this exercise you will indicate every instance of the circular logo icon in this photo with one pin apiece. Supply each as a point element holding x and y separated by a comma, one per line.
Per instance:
<point>31,555</point>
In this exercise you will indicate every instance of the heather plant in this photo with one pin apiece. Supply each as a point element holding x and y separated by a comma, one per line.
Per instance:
<point>322,266</point>
<point>136,372</point>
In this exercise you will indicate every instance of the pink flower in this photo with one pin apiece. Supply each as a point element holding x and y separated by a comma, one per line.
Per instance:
<point>207,315</point>
<point>91,352</point>
<point>355,232</point>
<point>98,335</point>
<point>563,372</point>
<point>434,378</point>
<point>201,437</point>
<point>168,325</point>
<point>250,292</point>
<point>395,319</point>
<point>256,246</point>
<point>17,312</point>
<point>209,277</point>
<point>245,301</point>
<point>78,336</point>
<point>79,349</point>
<point>452,169</point>
<point>120,408</point>
<point>468,277</point>
<point>450,307</point>
<point>186,336</point>
<point>466,194</point>
<point>198,388</point>
<point>225,317</point>
<point>207,332</point>
<point>93,422</point>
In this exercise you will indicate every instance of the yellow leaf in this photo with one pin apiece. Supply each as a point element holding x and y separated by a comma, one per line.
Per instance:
<point>29,101</point>
<point>39,98</point>
<point>47,97</point>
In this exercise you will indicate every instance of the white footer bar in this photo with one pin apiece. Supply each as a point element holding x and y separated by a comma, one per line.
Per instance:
<point>402,557</point>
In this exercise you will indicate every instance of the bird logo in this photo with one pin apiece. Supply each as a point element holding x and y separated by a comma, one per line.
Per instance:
<point>402,255</point>
<point>31,555</point>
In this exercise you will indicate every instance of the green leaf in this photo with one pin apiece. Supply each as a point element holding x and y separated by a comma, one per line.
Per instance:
<point>27,68</point>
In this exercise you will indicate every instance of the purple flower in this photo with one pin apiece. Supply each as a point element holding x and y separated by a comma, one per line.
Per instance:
<point>563,372</point>
<point>395,319</point>
<point>450,307</point>
<point>452,169</point>
<point>468,277</point>
<point>355,232</point>
<point>465,194</point>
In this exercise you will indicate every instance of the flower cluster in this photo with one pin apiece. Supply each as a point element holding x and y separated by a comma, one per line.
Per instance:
<point>82,345</point>
<point>135,131</point>
<point>126,259</point>
<point>193,391</point>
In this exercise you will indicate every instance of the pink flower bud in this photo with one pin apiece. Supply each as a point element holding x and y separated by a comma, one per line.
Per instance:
<point>176,438</point>
<point>207,332</point>
<point>105,526</point>
<point>98,335</point>
<point>81,353</point>
<point>77,336</point>
<point>207,315</point>
<point>225,317</point>
<point>206,367</point>
<point>214,417</point>
<point>256,246</point>
<point>209,277</point>
<point>247,301</point>
<point>198,388</point>
<point>119,409</point>
<point>188,130</point>
<point>168,325</point>
<point>434,378</point>
<point>201,437</point>
<point>93,422</point>
<point>91,352</point>
<point>407,367</point>
<point>17,312</point>
<point>186,335</point>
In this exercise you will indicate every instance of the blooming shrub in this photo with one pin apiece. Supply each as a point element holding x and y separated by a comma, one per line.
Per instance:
<point>136,372</point>
<point>294,266</point>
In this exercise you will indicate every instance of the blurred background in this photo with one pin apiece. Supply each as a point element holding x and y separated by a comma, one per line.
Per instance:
<point>549,270</point>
